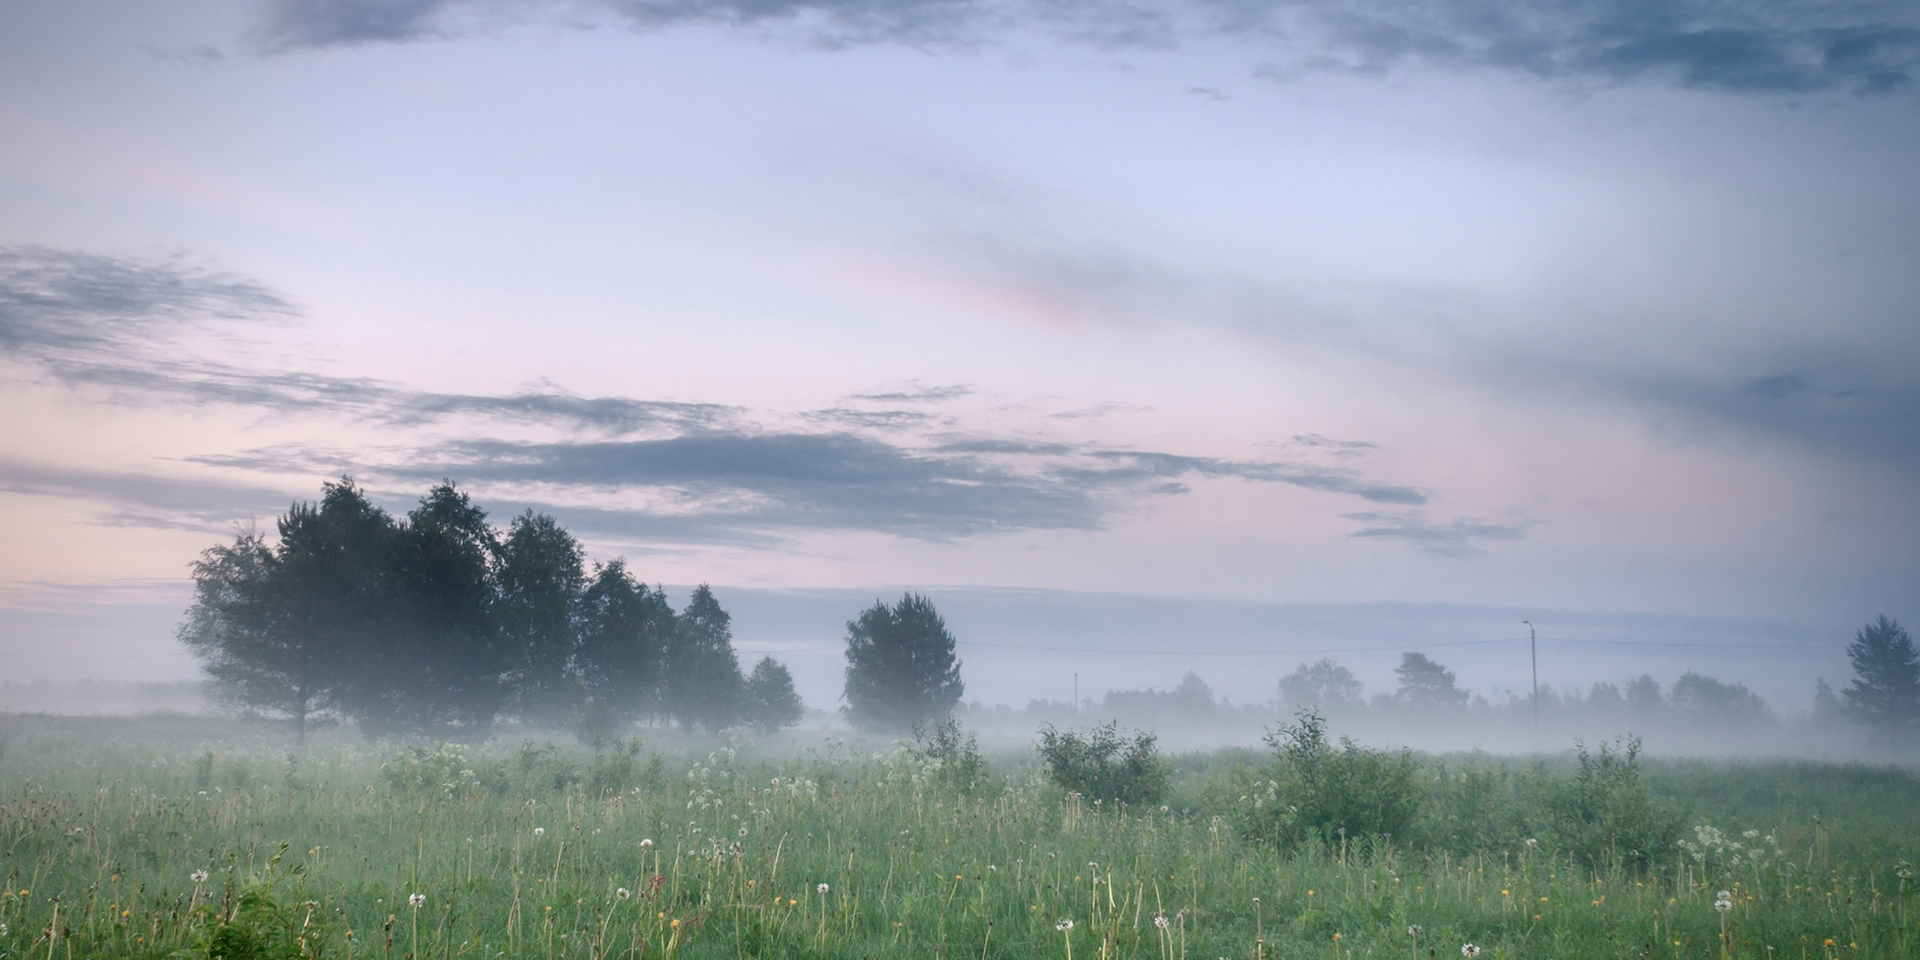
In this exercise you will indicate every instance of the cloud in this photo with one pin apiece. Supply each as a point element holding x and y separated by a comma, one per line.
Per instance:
<point>135,499</point>
<point>1755,47</point>
<point>914,392</point>
<point>119,323</point>
<point>1455,539</point>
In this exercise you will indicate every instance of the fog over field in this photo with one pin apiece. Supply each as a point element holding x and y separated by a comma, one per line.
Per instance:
<point>1145,340</point>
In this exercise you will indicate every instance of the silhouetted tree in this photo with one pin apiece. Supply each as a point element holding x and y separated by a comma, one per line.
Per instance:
<point>541,574</point>
<point>702,685</point>
<point>1322,684</point>
<point>439,667</point>
<point>901,668</point>
<point>277,628</point>
<point>625,627</point>
<point>1709,699</point>
<point>1643,695</point>
<point>1885,692</point>
<point>771,700</point>
<point>1424,683</point>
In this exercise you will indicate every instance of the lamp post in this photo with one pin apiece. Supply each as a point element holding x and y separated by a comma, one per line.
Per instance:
<point>1533,650</point>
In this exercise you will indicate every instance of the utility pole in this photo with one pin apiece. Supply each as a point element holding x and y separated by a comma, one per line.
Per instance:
<point>1076,691</point>
<point>1533,648</point>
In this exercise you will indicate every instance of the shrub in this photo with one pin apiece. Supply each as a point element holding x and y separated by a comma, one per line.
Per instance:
<point>1605,812</point>
<point>1104,765</point>
<point>947,759</point>
<point>1314,791</point>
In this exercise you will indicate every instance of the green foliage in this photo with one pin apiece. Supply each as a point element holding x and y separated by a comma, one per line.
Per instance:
<point>1426,684</point>
<point>97,813</point>
<point>950,760</point>
<point>901,668</point>
<point>437,624</point>
<point>1102,764</point>
<point>1885,692</point>
<point>1314,792</point>
<point>1605,813</point>
<point>702,686</point>
<point>771,702</point>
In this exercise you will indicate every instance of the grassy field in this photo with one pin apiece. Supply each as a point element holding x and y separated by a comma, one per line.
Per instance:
<point>151,836</point>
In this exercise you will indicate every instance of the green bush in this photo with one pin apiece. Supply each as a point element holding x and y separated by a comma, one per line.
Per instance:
<point>1103,765</point>
<point>1605,811</point>
<point>1314,791</point>
<point>948,759</point>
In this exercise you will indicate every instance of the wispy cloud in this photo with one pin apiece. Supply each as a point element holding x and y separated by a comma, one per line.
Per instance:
<point>1753,47</point>
<point>894,461</point>
<point>1456,538</point>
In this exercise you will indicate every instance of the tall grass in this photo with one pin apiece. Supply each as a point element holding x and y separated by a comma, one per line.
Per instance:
<point>825,850</point>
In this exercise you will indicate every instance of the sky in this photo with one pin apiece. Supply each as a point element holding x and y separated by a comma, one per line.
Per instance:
<point>1175,334</point>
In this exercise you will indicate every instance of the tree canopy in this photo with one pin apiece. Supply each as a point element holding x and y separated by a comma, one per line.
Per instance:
<point>440,624</point>
<point>1885,692</point>
<point>901,668</point>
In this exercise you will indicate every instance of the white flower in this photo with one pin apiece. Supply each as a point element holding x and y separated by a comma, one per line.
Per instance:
<point>821,889</point>
<point>644,844</point>
<point>621,894</point>
<point>1160,920</point>
<point>416,900</point>
<point>1469,951</point>
<point>1064,925</point>
<point>539,831</point>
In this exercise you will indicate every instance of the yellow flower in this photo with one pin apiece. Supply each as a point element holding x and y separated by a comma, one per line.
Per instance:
<point>675,923</point>
<point>1336,938</point>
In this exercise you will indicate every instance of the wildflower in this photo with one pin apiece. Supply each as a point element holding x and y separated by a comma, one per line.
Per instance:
<point>1160,920</point>
<point>743,831</point>
<point>1533,844</point>
<point>198,876</point>
<point>1336,938</point>
<point>539,831</point>
<point>644,844</point>
<point>1064,925</point>
<point>1723,905</point>
<point>622,894</point>
<point>416,900</point>
<point>1469,951</point>
<point>821,889</point>
<point>1414,931</point>
<point>675,924</point>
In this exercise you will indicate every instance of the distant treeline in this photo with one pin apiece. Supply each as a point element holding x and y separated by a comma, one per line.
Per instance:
<point>439,623</point>
<point>1880,703</point>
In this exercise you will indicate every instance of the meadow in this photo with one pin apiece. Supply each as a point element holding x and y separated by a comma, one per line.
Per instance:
<point>165,836</point>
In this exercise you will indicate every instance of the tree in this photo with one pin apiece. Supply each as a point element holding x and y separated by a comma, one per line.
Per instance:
<point>1424,683</point>
<point>1191,696</point>
<point>541,575</point>
<point>901,668</point>
<point>1709,699</point>
<point>439,667</point>
<point>1885,692</point>
<point>1643,695</point>
<point>702,685</point>
<point>1322,684</point>
<point>276,628</point>
<point>625,627</point>
<point>771,701</point>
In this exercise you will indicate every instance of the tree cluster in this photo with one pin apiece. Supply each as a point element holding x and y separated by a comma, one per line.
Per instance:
<point>439,623</point>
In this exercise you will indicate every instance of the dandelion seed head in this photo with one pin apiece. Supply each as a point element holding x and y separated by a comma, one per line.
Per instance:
<point>539,831</point>
<point>416,900</point>
<point>648,842</point>
<point>1414,930</point>
<point>198,876</point>
<point>622,893</point>
<point>1160,920</point>
<point>1469,951</point>
<point>821,889</point>
<point>1064,925</point>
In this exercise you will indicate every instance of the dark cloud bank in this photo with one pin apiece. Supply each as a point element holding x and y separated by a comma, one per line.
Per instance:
<point>1777,47</point>
<point>878,462</point>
